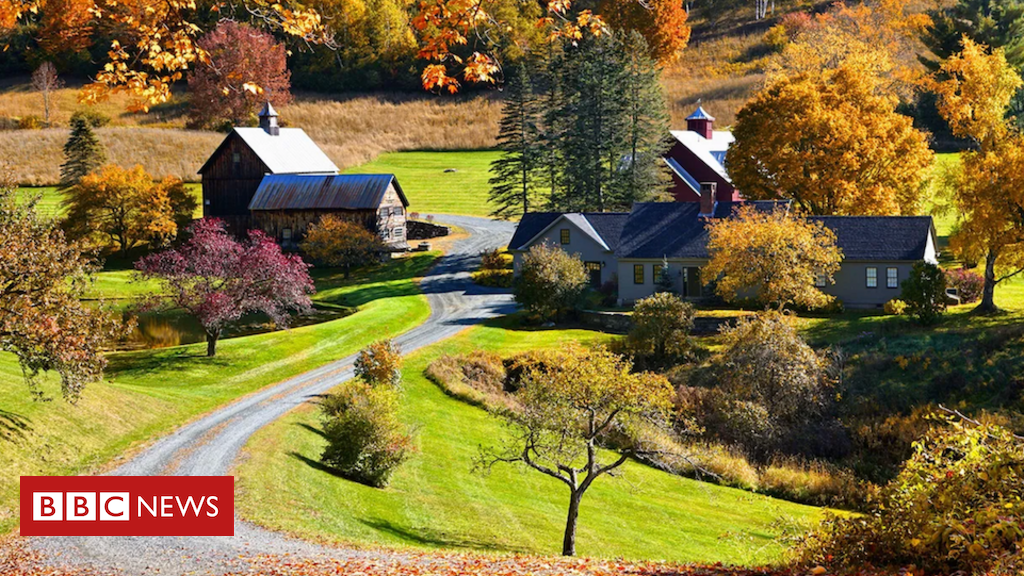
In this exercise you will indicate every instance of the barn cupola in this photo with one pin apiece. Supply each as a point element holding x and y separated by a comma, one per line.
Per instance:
<point>701,122</point>
<point>268,120</point>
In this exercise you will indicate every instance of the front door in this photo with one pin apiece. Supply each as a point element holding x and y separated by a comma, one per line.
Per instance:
<point>691,282</point>
<point>594,269</point>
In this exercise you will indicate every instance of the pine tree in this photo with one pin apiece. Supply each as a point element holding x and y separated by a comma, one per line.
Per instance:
<point>664,282</point>
<point>83,153</point>
<point>643,175</point>
<point>549,90</point>
<point>515,173</point>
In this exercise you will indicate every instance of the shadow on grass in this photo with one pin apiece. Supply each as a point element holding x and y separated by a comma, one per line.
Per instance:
<point>312,429</point>
<point>13,426</point>
<point>438,539</point>
<point>167,360</point>
<point>318,465</point>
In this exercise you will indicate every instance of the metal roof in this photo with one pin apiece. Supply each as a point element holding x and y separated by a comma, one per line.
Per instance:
<point>323,191</point>
<point>700,114</point>
<point>289,152</point>
<point>708,150</point>
<point>268,110</point>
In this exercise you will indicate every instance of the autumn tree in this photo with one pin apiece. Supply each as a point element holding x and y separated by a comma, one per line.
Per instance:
<point>572,404</point>
<point>45,80</point>
<point>128,208</point>
<point>988,185</point>
<point>83,153</point>
<point>380,364</point>
<point>218,279</point>
<point>43,320</point>
<point>515,172</point>
<point>246,69</point>
<point>341,243</point>
<point>832,144</point>
<point>775,255</point>
<point>660,332</point>
<point>551,283</point>
<point>661,22</point>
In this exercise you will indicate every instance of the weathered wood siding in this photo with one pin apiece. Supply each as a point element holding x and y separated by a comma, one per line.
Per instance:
<point>228,186</point>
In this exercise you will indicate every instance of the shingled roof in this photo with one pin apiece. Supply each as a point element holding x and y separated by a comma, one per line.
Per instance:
<point>675,230</point>
<point>604,227</point>
<point>323,192</point>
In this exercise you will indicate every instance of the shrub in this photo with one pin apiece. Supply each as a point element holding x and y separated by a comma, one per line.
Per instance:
<point>477,378</point>
<point>776,38</point>
<point>924,291</point>
<point>957,506</point>
<point>895,307</point>
<point>661,330</point>
<point>494,278</point>
<point>30,122</point>
<point>551,283</point>
<point>93,118</point>
<point>379,364</point>
<point>366,442</point>
<point>816,483</point>
<point>968,283</point>
<point>340,243</point>
<point>497,259</point>
<point>609,291</point>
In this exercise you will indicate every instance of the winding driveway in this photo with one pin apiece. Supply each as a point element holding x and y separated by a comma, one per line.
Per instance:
<point>209,446</point>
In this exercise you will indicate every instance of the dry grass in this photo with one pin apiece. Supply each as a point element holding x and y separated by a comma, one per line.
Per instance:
<point>36,155</point>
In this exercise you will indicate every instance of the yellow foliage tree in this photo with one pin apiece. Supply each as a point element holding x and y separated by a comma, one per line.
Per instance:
<point>128,208</point>
<point>774,255</point>
<point>832,143</point>
<point>988,186</point>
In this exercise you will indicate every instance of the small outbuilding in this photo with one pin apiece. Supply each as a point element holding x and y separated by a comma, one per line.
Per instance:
<point>284,205</point>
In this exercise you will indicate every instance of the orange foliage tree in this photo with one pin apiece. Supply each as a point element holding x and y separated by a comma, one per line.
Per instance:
<point>662,23</point>
<point>988,186</point>
<point>832,142</point>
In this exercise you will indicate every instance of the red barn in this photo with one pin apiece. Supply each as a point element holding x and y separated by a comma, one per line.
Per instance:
<point>697,161</point>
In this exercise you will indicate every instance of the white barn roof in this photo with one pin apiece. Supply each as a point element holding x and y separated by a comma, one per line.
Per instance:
<point>710,151</point>
<point>289,152</point>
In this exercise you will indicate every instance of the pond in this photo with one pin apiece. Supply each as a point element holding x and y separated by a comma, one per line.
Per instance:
<point>160,329</point>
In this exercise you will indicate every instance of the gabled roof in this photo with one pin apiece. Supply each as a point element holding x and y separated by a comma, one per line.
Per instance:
<point>710,151</point>
<point>892,238</point>
<point>673,229</point>
<point>267,110</point>
<point>289,152</point>
<point>324,192</point>
<point>700,114</point>
<point>602,227</point>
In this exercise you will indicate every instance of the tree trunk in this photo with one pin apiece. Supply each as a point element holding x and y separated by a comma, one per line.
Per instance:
<point>988,304</point>
<point>211,343</point>
<point>569,542</point>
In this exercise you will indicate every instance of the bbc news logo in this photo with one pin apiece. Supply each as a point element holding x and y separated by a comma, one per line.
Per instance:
<point>127,506</point>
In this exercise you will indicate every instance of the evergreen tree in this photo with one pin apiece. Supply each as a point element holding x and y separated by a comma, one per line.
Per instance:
<point>643,174</point>
<point>549,90</point>
<point>83,153</point>
<point>664,282</point>
<point>515,173</point>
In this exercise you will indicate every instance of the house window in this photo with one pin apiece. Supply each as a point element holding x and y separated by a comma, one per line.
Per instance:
<point>398,210</point>
<point>820,280</point>
<point>286,235</point>
<point>872,277</point>
<point>236,158</point>
<point>656,272</point>
<point>892,278</point>
<point>564,235</point>
<point>399,232</point>
<point>638,274</point>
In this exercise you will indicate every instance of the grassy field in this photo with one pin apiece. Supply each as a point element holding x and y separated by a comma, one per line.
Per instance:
<point>435,501</point>
<point>430,188</point>
<point>51,201</point>
<point>145,394</point>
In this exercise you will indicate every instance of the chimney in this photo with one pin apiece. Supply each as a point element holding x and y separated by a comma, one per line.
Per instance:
<point>268,120</point>
<point>707,199</point>
<point>701,122</point>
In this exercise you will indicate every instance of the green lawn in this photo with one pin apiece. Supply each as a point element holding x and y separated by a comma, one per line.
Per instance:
<point>146,394</point>
<point>435,501</point>
<point>432,190</point>
<point>51,201</point>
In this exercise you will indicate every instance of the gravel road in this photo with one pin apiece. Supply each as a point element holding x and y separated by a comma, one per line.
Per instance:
<point>210,445</point>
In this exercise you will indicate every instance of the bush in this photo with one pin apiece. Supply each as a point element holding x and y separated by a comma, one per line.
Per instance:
<point>477,378</point>
<point>609,291</point>
<point>661,330</point>
<point>494,278</point>
<point>776,38</point>
<point>814,483</point>
<point>497,259</point>
<point>366,442</point>
<point>30,122</point>
<point>895,307</point>
<point>551,283</point>
<point>925,292</point>
<point>956,506</point>
<point>93,118</point>
<point>341,243</point>
<point>380,363</point>
<point>968,283</point>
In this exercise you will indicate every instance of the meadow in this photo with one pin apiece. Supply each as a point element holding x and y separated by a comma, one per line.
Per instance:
<point>146,394</point>
<point>436,500</point>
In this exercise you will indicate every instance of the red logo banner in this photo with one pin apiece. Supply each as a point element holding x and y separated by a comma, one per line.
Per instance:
<point>127,506</point>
